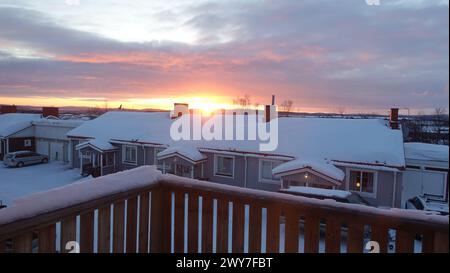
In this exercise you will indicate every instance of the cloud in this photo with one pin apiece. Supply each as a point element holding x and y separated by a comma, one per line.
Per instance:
<point>318,53</point>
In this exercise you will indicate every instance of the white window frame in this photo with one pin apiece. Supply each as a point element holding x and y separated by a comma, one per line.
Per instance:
<point>27,143</point>
<point>362,193</point>
<point>124,150</point>
<point>264,180</point>
<point>216,156</point>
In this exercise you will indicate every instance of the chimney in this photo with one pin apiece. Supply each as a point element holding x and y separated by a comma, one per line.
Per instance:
<point>270,110</point>
<point>50,112</point>
<point>393,119</point>
<point>179,109</point>
<point>8,109</point>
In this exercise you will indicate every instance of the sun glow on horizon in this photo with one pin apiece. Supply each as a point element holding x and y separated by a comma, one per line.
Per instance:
<point>206,104</point>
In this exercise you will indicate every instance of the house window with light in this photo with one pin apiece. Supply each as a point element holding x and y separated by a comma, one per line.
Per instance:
<point>224,166</point>
<point>130,154</point>
<point>362,181</point>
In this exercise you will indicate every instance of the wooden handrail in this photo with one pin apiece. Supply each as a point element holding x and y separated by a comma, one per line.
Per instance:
<point>152,197</point>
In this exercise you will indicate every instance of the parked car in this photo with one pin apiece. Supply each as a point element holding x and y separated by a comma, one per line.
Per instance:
<point>427,203</point>
<point>23,158</point>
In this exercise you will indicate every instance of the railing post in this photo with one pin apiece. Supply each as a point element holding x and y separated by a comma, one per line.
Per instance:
<point>47,237</point>
<point>160,223</point>
<point>441,244</point>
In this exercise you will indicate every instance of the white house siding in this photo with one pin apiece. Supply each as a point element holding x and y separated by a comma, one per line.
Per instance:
<point>52,140</point>
<point>425,177</point>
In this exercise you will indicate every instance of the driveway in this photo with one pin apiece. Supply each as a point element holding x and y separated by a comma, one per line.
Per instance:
<point>19,182</point>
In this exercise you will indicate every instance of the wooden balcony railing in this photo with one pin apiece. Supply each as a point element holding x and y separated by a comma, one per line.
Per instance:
<point>144,211</point>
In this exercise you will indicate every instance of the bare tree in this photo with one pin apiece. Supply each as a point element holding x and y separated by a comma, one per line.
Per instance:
<point>243,102</point>
<point>256,105</point>
<point>440,112</point>
<point>440,124</point>
<point>341,110</point>
<point>286,106</point>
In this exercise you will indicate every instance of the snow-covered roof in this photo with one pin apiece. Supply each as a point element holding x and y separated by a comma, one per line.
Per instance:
<point>98,144</point>
<point>425,151</point>
<point>12,123</point>
<point>59,122</point>
<point>186,151</point>
<point>318,191</point>
<point>321,166</point>
<point>368,141</point>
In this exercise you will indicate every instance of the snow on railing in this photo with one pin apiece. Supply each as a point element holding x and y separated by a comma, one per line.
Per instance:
<point>85,213</point>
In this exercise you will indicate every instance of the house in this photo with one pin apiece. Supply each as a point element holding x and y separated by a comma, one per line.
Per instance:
<point>361,155</point>
<point>426,171</point>
<point>16,132</point>
<point>43,133</point>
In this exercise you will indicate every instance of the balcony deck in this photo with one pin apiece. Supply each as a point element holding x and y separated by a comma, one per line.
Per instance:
<point>144,211</point>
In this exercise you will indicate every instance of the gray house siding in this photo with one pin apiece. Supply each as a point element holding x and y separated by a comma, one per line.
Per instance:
<point>239,171</point>
<point>144,155</point>
<point>75,155</point>
<point>108,170</point>
<point>253,177</point>
<point>250,179</point>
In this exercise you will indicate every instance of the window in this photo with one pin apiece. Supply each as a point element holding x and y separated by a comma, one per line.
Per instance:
<point>27,143</point>
<point>265,171</point>
<point>362,181</point>
<point>224,165</point>
<point>159,163</point>
<point>129,154</point>
<point>108,159</point>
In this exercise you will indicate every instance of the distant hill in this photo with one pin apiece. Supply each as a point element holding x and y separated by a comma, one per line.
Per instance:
<point>81,109</point>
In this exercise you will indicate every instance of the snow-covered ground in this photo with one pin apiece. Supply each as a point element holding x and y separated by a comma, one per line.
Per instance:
<point>20,182</point>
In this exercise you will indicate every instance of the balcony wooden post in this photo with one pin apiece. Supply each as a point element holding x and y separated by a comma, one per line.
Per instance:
<point>119,226</point>
<point>255,228</point>
<point>68,233</point>
<point>131,225</point>
<point>144,215</point>
<point>47,238</point>
<point>238,226</point>
<point>22,243</point>
<point>104,224</point>
<point>87,232</point>
<point>160,220</point>
<point>207,223</point>
<point>193,222</point>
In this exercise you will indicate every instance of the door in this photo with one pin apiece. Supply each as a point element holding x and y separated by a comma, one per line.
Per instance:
<point>56,151</point>
<point>420,182</point>
<point>42,147</point>
<point>434,183</point>
<point>412,184</point>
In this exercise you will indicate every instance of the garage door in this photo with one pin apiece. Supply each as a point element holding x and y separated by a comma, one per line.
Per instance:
<point>419,182</point>
<point>434,183</point>
<point>42,147</point>
<point>56,151</point>
<point>412,184</point>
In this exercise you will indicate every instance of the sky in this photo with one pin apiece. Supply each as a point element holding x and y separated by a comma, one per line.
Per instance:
<point>324,55</point>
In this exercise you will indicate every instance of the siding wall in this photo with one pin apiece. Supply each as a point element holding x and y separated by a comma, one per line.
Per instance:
<point>145,156</point>
<point>18,144</point>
